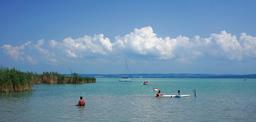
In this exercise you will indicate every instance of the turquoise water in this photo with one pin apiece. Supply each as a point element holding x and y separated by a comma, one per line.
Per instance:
<point>221,100</point>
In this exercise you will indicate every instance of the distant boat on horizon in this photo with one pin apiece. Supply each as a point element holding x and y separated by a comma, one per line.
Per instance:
<point>125,78</point>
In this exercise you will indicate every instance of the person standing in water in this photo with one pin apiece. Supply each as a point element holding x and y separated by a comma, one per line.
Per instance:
<point>178,92</point>
<point>81,102</point>
<point>194,92</point>
<point>158,93</point>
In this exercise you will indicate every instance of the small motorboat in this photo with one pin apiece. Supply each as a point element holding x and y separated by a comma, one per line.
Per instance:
<point>145,82</point>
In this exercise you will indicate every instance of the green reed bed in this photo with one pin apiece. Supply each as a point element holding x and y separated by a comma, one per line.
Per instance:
<point>12,80</point>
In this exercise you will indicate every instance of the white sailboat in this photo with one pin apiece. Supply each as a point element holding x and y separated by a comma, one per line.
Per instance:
<point>125,77</point>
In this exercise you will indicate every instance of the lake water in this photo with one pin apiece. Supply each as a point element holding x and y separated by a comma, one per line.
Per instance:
<point>218,100</point>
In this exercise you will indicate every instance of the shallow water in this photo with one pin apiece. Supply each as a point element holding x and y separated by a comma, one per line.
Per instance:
<point>221,100</point>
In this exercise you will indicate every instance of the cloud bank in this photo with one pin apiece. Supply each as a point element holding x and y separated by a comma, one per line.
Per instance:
<point>141,42</point>
<point>17,52</point>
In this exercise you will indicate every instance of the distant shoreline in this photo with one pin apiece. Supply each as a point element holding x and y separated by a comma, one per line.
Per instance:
<point>241,76</point>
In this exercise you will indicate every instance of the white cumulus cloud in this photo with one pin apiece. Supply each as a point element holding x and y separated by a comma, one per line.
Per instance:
<point>229,44</point>
<point>17,52</point>
<point>79,47</point>
<point>140,42</point>
<point>145,42</point>
<point>248,44</point>
<point>45,51</point>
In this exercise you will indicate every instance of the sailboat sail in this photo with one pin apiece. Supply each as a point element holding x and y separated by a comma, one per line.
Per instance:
<point>125,77</point>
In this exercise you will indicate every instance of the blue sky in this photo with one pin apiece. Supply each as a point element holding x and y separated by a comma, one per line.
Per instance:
<point>98,36</point>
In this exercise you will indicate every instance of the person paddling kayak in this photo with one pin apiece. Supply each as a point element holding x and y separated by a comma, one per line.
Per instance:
<point>81,102</point>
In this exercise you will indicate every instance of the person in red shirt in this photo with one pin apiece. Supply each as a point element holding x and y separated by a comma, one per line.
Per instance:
<point>81,102</point>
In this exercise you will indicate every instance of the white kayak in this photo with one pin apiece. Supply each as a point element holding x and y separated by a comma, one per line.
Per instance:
<point>175,96</point>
